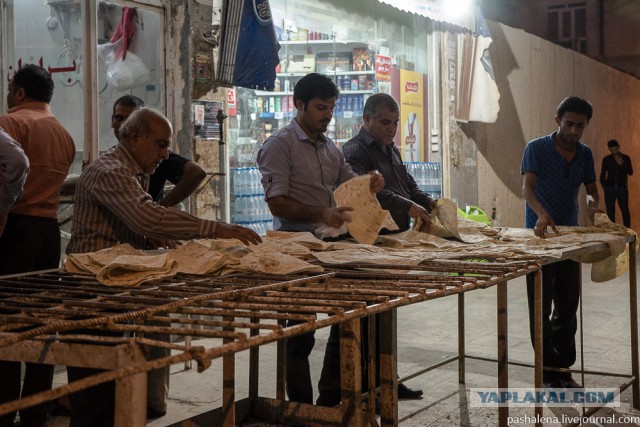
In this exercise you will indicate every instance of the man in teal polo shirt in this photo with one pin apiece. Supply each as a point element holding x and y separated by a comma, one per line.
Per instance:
<point>554,168</point>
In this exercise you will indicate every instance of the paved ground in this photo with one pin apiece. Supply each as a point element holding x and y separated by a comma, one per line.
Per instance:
<point>427,334</point>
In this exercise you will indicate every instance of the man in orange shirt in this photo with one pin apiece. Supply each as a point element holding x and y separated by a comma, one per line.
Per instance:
<point>31,238</point>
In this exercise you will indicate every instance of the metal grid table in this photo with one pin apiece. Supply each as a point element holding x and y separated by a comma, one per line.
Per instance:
<point>40,311</point>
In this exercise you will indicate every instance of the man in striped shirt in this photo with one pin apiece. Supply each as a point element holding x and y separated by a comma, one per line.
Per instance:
<point>112,205</point>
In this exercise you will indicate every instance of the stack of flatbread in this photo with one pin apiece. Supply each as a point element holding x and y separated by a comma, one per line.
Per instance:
<point>444,220</point>
<point>122,265</point>
<point>368,217</point>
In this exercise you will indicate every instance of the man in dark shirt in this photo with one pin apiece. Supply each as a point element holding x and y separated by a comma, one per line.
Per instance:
<point>184,173</point>
<point>373,149</point>
<point>613,178</point>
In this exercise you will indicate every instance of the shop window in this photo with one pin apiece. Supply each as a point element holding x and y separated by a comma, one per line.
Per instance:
<point>50,33</point>
<point>567,26</point>
<point>146,80</point>
<point>365,47</point>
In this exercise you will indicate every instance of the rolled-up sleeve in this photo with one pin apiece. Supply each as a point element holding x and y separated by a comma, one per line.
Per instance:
<point>14,167</point>
<point>273,161</point>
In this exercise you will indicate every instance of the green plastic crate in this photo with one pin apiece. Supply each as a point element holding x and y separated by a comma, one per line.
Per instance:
<point>474,213</point>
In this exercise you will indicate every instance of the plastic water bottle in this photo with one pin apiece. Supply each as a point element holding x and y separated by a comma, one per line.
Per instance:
<point>236,181</point>
<point>239,186</point>
<point>255,180</point>
<point>237,210</point>
<point>411,170</point>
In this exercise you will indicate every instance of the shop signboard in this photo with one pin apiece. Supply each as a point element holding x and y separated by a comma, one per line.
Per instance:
<point>409,88</point>
<point>383,68</point>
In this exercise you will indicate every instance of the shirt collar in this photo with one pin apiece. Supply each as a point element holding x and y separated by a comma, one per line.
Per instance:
<point>579,148</point>
<point>302,135</point>
<point>129,160</point>
<point>366,136</point>
<point>32,105</point>
<point>371,142</point>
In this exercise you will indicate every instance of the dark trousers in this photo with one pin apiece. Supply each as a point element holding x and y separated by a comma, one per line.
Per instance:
<point>37,378</point>
<point>27,244</point>
<point>329,386</point>
<point>298,371</point>
<point>621,193</point>
<point>560,289</point>
<point>94,406</point>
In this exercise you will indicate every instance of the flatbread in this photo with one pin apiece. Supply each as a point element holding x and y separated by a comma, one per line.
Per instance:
<point>93,262</point>
<point>285,247</point>
<point>302,237</point>
<point>369,255</point>
<point>444,219</point>
<point>271,263</point>
<point>132,270</point>
<point>196,258</point>
<point>368,217</point>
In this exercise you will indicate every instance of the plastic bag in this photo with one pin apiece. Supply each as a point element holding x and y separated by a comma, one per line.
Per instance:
<point>123,74</point>
<point>327,232</point>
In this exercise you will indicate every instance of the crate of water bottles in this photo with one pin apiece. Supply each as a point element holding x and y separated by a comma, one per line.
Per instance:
<point>246,181</point>
<point>249,208</point>
<point>427,176</point>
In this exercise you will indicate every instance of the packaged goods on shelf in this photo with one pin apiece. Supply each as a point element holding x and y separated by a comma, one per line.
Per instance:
<point>328,62</point>
<point>362,59</point>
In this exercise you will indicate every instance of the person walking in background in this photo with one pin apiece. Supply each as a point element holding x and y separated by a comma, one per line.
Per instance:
<point>14,167</point>
<point>554,168</point>
<point>31,238</point>
<point>616,167</point>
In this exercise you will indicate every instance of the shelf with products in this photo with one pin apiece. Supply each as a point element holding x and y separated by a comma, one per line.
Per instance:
<point>349,63</point>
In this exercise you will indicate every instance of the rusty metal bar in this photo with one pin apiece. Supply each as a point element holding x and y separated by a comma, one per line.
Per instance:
<point>538,342</point>
<point>47,303</point>
<point>503,349</point>
<point>633,314</point>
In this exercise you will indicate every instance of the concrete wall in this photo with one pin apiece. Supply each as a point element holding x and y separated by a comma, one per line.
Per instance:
<point>533,76</point>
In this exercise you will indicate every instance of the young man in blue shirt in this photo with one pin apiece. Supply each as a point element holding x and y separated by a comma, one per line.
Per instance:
<point>554,168</point>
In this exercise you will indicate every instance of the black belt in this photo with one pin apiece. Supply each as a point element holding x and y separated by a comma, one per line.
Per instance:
<point>337,238</point>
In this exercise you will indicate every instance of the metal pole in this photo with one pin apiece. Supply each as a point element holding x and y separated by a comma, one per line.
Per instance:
<point>223,168</point>
<point>633,300</point>
<point>503,349</point>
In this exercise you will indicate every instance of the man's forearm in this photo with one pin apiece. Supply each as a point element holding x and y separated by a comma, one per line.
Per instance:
<point>192,176</point>
<point>294,211</point>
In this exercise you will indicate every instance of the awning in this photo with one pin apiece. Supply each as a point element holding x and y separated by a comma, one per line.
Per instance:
<point>477,95</point>
<point>248,45</point>
<point>461,12</point>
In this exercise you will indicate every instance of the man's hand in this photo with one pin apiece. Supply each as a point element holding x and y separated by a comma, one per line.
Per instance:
<point>162,243</point>
<point>592,210</point>
<point>233,231</point>
<point>335,217</point>
<point>593,199</point>
<point>416,211</point>
<point>377,181</point>
<point>543,222</point>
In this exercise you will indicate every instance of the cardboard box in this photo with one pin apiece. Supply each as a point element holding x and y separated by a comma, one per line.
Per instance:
<point>299,64</point>
<point>327,62</point>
